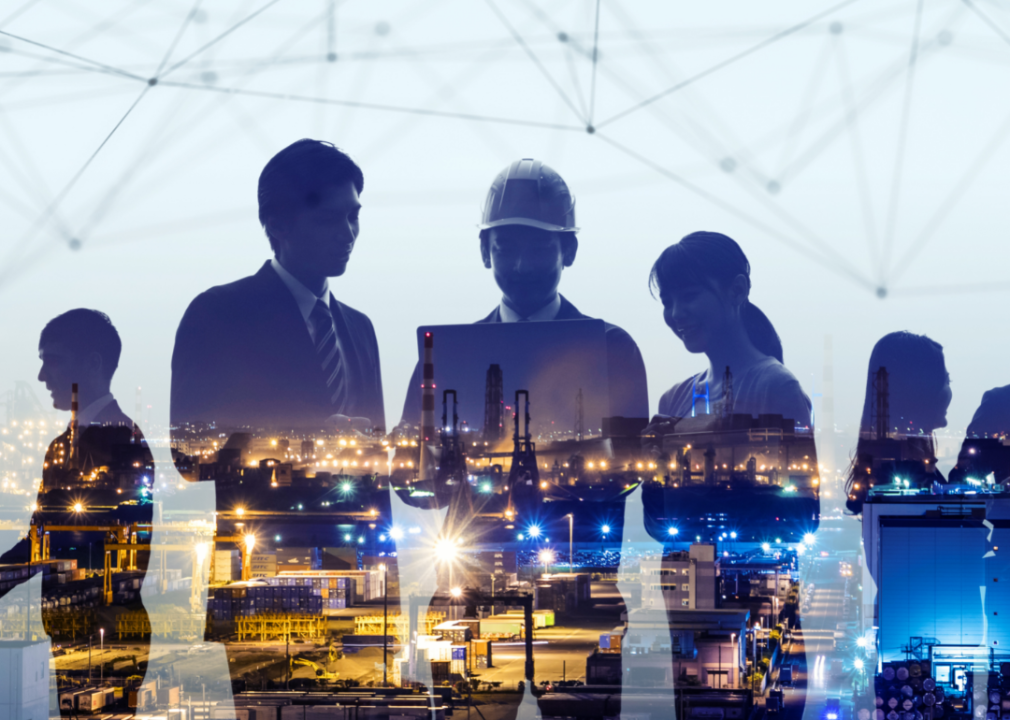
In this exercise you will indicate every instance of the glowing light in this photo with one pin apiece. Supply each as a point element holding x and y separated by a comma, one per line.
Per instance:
<point>347,537</point>
<point>445,550</point>
<point>546,556</point>
<point>605,529</point>
<point>250,542</point>
<point>78,508</point>
<point>240,511</point>
<point>277,538</point>
<point>672,531</point>
<point>520,536</point>
<point>456,592</point>
<point>733,535</point>
<point>201,552</point>
<point>766,547</point>
<point>809,539</point>
<point>396,533</point>
<point>346,487</point>
<point>857,664</point>
<point>861,641</point>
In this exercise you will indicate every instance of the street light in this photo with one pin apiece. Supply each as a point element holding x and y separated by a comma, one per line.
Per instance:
<point>533,531</point>
<point>809,539</point>
<point>546,557</point>
<point>672,532</point>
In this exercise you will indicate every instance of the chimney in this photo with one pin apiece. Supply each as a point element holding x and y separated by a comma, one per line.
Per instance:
<point>426,464</point>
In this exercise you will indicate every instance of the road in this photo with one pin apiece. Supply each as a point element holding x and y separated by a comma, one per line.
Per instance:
<point>826,669</point>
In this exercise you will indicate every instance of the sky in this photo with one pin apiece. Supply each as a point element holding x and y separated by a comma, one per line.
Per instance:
<point>855,150</point>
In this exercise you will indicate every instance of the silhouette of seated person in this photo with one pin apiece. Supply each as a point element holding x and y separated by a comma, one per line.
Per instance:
<point>527,239</point>
<point>276,349</point>
<point>101,460</point>
<point>907,375</point>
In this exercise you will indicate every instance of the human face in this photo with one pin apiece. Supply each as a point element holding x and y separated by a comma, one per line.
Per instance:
<point>527,263</point>
<point>317,241</point>
<point>60,369</point>
<point>945,397</point>
<point>697,314</point>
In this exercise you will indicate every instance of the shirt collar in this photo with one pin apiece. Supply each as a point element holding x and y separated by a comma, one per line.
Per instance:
<point>305,298</point>
<point>547,312</point>
<point>87,416</point>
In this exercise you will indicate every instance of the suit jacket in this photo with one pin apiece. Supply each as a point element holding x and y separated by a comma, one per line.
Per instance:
<point>629,395</point>
<point>243,358</point>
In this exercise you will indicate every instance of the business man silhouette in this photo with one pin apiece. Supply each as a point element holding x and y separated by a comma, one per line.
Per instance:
<point>276,349</point>
<point>101,449</point>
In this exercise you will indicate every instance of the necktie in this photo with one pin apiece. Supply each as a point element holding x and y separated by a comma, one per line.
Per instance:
<point>328,352</point>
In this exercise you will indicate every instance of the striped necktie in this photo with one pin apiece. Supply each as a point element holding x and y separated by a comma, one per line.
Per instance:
<point>328,352</point>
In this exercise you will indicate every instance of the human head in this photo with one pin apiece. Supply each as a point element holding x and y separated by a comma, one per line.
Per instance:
<point>918,384</point>
<point>527,235</point>
<point>80,346</point>
<point>308,206</point>
<point>704,284</point>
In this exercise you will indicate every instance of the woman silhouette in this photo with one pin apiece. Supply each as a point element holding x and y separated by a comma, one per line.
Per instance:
<point>704,284</point>
<point>907,395</point>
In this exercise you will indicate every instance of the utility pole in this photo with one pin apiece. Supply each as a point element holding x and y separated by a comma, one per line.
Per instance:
<point>571,524</point>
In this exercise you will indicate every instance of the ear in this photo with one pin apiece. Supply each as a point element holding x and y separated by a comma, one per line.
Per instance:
<point>485,250</point>
<point>93,363</point>
<point>739,290</point>
<point>569,248</point>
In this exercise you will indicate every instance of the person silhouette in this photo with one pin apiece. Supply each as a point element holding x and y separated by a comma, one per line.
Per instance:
<point>909,372</point>
<point>528,237</point>
<point>101,456</point>
<point>704,284</point>
<point>276,349</point>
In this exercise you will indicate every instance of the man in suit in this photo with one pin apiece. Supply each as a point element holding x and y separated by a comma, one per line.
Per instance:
<point>527,239</point>
<point>100,459</point>
<point>276,349</point>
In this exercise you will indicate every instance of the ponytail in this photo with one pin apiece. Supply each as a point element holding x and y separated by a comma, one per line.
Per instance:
<point>761,331</point>
<point>717,258</point>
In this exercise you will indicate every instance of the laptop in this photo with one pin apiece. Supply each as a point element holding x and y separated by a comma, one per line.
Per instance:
<point>554,361</point>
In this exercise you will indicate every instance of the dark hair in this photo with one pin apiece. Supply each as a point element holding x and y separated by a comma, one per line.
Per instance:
<point>716,258</point>
<point>294,178</point>
<point>916,374</point>
<point>85,331</point>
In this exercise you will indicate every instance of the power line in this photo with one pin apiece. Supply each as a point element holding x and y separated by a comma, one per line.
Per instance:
<point>733,210</point>
<point>899,159</point>
<point>596,46</point>
<point>103,66</point>
<point>536,61</point>
<point>220,37</point>
<point>54,205</point>
<point>376,106</point>
<point>729,61</point>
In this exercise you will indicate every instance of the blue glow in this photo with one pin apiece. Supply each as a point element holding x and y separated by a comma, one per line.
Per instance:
<point>347,537</point>
<point>733,535</point>
<point>533,531</point>
<point>605,529</point>
<point>672,531</point>
<point>519,536</point>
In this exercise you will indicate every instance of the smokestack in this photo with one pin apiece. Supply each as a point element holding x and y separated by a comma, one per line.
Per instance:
<point>426,464</point>
<point>74,430</point>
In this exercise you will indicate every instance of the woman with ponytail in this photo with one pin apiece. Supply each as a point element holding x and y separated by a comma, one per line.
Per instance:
<point>704,284</point>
